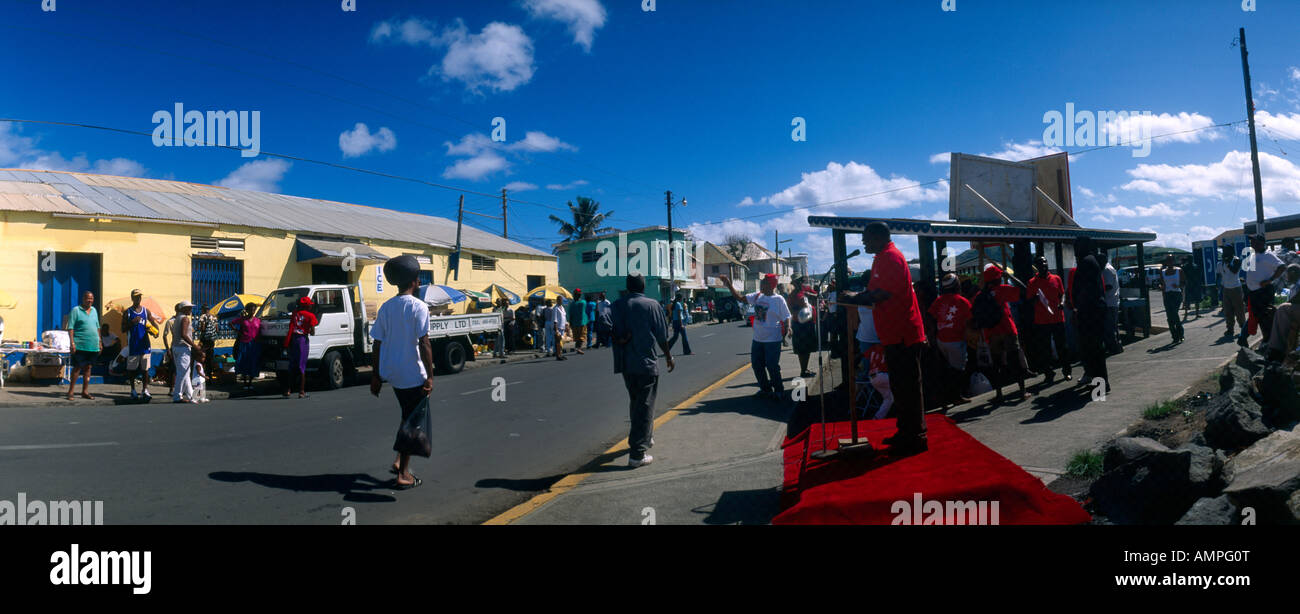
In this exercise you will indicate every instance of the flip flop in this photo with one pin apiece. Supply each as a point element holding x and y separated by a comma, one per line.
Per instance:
<point>398,486</point>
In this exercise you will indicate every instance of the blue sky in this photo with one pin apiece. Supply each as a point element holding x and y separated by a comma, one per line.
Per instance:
<point>606,100</point>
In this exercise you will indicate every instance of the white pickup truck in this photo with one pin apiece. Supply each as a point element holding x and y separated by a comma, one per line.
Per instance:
<point>342,341</point>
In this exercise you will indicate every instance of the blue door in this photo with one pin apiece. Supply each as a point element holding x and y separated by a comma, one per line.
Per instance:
<point>60,279</point>
<point>214,280</point>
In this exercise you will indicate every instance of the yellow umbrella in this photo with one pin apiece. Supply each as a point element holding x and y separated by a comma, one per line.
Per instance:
<point>235,305</point>
<point>7,301</point>
<point>551,292</point>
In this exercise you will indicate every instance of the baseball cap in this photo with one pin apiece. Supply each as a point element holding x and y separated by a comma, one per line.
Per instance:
<point>137,292</point>
<point>184,304</point>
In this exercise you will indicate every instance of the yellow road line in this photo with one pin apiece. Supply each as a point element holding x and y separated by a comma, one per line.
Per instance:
<point>573,479</point>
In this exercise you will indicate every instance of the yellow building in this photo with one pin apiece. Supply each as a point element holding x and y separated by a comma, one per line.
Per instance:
<point>61,233</point>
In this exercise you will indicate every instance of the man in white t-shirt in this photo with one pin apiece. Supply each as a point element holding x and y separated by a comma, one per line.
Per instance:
<point>1262,267</point>
<point>1234,303</point>
<point>1110,289</point>
<point>771,322</point>
<point>403,355</point>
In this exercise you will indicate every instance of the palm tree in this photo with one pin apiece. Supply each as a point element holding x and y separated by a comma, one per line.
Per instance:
<point>586,222</point>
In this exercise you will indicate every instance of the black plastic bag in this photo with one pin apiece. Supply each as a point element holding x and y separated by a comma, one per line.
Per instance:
<point>414,435</point>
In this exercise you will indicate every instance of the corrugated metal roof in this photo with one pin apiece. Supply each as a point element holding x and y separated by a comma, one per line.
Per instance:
<point>189,202</point>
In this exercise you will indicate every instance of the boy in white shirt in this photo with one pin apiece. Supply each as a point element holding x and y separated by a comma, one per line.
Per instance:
<point>403,355</point>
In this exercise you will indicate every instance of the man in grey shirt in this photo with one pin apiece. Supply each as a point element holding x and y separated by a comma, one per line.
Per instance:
<point>639,325</point>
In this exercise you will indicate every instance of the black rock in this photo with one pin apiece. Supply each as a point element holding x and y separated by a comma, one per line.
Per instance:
<point>1266,478</point>
<point>1233,376</point>
<point>1250,360</point>
<point>1217,511</point>
<point>1147,483</point>
<point>1234,420</point>
<point>1279,402</point>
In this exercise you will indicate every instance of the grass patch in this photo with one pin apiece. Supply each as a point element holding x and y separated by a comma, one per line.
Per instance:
<point>1085,464</point>
<point>1159,410</point>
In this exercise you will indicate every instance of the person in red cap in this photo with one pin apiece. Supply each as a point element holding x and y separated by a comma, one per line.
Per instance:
<point>897,318</point>
<point>991,313</point>
<point>301,325</point>
<point>771,324</point>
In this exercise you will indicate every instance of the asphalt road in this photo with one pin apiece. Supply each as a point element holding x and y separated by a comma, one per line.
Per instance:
<point>268,460</point>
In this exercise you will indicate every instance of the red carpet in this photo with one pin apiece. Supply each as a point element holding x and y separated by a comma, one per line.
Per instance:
<point>957,468</point>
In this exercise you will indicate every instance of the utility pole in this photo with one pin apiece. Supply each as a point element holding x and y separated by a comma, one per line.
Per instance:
<point>505,225</point>
<point>672,277</point>
<point>668,198</point>
<point>776,250</point>
<point>1254,149</point>
<point>460,219</point>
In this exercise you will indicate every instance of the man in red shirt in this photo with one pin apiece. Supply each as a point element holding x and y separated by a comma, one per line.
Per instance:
<point>951,312</point>
<point>1047,294</point>
<point>898,324</point>
<point>1002,336</point>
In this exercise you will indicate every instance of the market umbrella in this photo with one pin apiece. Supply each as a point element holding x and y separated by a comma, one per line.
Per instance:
<point>7,301</point>
<point>235,305</point>
<point>114,309</point>
<point>484,299</point>
<point>551,292</point>
<point>434,294</point>
<point>499,292</point>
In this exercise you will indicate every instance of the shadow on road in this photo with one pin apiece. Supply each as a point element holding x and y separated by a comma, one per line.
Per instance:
<point>354,487</point>
<point>746,507</point>
<point>599,465</point>
<point>1060,403</point>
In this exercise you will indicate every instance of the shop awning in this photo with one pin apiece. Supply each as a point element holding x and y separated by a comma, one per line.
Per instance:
<point>326,251</point>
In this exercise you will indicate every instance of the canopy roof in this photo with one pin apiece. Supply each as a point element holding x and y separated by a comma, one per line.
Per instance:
<point>968,231</point>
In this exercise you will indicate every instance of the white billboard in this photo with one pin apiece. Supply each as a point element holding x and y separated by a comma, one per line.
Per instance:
<point>977,182</point>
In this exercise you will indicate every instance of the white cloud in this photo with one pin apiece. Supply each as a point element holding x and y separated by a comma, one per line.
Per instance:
<point>413,31</point>
<point>1108,214</point>
<point>519,186</point>
<point>1183,239</point>
<point>1087,192</point>
<point>844,182</point>
<point>536,141</point>
<point>359,141</point>
<point>258,175</point>
<point>1010,151</point>
<point>1137,126</point>
<point>484,156</point>
<point>19,151</point>
<point>498,58</point>
<point>476,167</point>
<point>567,186</point>
<point>1285,126</point>
<point>1227,179</point>
<point>583,17</point>
<point>747,201</point>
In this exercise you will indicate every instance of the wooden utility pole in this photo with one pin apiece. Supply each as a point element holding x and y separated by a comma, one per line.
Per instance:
<point>1254,149</point>
<point>505,225</point>
<point>460,219</point>
<point>668,199</point>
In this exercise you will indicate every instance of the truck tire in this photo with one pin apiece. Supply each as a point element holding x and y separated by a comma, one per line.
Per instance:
<point>451,356</point>
<point>332,372</point>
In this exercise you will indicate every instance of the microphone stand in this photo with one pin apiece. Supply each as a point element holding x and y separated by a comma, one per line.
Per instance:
<point>821,392</point>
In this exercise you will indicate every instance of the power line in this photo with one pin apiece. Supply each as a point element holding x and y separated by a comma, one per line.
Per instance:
<point>936,181</point>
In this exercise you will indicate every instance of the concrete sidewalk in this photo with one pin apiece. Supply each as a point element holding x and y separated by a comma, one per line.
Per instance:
<point>1043,433</point>
<point>717,461</point>
<point>718,457</point>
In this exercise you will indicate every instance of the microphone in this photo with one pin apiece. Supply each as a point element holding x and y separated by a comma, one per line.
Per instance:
<point>853,253</point>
